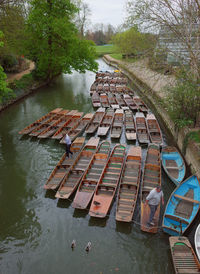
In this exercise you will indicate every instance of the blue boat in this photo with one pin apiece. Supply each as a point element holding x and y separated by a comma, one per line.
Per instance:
<point>173,164</point>
<point>182,207</point>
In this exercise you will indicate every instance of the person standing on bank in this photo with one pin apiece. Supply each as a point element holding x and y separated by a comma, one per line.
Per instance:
<point>153,200</point>
<point>68,144</point>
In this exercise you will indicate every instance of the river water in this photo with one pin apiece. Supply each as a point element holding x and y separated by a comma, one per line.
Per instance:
<point>36,229</point>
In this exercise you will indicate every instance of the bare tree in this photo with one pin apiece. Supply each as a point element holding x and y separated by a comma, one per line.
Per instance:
<point>82,18</point>
<point>180,19</point>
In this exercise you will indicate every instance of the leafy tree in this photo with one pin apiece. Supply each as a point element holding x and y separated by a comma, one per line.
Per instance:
<point>52,40</point>
<point>133,41</point>
<point>4,90</point>
<point>183,100</point>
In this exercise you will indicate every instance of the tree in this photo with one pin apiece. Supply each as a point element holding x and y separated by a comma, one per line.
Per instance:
<point>82,17</point>
<point>132,41</point>
<point>4,90</point>
<point>180,19</point>
<point>52,40</point>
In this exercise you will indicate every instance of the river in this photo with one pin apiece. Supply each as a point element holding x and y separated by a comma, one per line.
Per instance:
<point>36,229</point>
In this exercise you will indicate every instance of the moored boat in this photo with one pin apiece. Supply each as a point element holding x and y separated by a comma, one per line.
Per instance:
<point>129,185</point>
<point>104,100</point>
<point>142,107</point>
<point>130,129</point>
<point>96,100</point>
<point>95,122</point>
<point>108,183</point>
<point>183,256</point>
<point>117,125</point>
<point>141,128</point>
<point>173,164</point>
<point>91,178</point>
<point>64,164</point>
<point>130,103</point>
<point>150,179</point>
<point>79,127</point>
<point>77,170</point>
<point>154,130</point>
<point>182,207</point>
<point>28,129</point>
<point>67,125</point>
<point>106,123</point>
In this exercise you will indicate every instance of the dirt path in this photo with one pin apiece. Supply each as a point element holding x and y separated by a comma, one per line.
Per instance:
<point>16,76</point>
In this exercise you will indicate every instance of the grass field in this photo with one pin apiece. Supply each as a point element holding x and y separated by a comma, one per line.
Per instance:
<point>107,49</point>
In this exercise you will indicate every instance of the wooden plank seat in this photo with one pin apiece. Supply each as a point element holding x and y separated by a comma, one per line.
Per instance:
<point>152,172</point>
<point>176,218</point>
<point>126,182</point>
<point>115,165</point>
<point>125,207</point>
<point>126,202</point>
<point>127,196</point>
<point>133,173</point>
<point>186,199</point>
<point>150,179</point>
<point>107,184</point>
<point>147,188</point>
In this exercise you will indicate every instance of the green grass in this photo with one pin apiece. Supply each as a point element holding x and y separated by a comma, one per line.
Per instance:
<point>107,49</point>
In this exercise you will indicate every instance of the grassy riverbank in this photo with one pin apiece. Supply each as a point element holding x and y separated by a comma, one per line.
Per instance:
<point>110,49</point>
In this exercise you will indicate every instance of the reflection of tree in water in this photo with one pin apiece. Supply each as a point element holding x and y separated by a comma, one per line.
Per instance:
<point>84,101</point>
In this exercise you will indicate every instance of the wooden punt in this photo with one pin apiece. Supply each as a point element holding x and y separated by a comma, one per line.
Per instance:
<point>95,122</point>
<point>184,258</point>
<point>120,88</point>
<point>182,207</point>
<point>91,178</point>
<point>64,164</point>
<point>173,164</point>
<point>96,100</point>
<point>117,125</point>
<point>106,123</point>
<point>120,101</point>
<point>106,87</point>
<point>111,99</point>
<point>55,124</point>
<point>108,183</point>
<point>197,241</point>
<point>67,125</point>
<point>130,129</point>
<point>99,87</point>
<point>112,88</point>
<point>104,100</point>
<point>141,105</point>
<point>129,185</point>
<point>39,121</point>
<point>155,134</point>
<point>77,170</point>
<point>151,178</point>
<point>79,127</point>
<point>130,103</point>
<point>141,128</point>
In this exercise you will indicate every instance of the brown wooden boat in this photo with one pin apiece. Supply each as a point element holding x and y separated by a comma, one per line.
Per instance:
<point>67,125</point>
<point>99,87</point>
<point>64,164</point>
<point>184,258</point>
<point>140,103</point>
<point>112,88</point>
<point>111,99</point>
<point>77,170</point>
<point>130,103</point>
<point>72,123</point>
<point>129,185</point>
<point>93,87</point>
<point>108,183</point>
<point>151,178</point>
<point>106,87</point>
<point>96,100</point>
<point>54,125</point>
<point>117,125</point>
<point>130,129</point>
<point>141,128</point>
<point>39,121</point>
<point>104,100</point>
<point>154,130</point>
<point>120,101</point>
<point>95,122</point>
<point>79,127</point>
<point>91,178</point>
<point>106,123</point>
